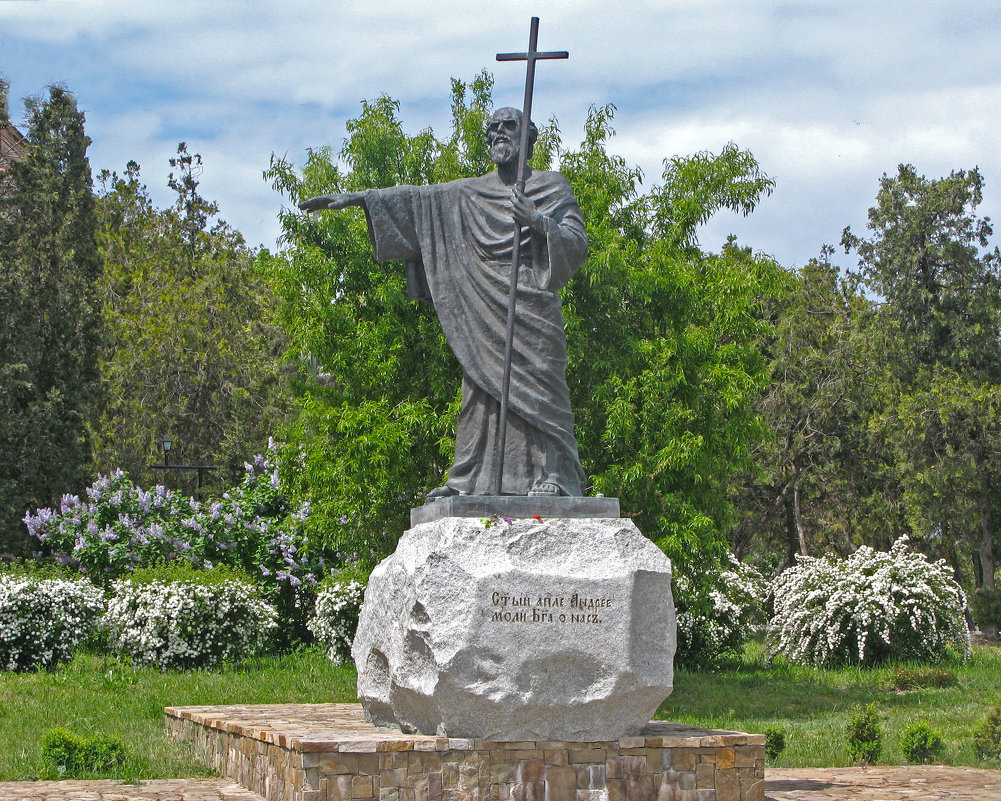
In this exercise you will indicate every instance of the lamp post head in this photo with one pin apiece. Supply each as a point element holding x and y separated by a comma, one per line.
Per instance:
<point>165,443</point>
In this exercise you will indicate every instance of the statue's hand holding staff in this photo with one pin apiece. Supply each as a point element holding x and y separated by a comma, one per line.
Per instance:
<point>525,212</point>
<point>333,202</point>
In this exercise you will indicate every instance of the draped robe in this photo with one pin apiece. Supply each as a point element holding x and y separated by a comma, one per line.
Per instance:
<point>456,239</point>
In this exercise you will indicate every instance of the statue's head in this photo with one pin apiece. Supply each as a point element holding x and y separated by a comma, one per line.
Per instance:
<point>504,135</point>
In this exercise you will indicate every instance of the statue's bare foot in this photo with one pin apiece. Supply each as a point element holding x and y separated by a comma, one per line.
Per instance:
<point>545,488</point>
<point>444,491</point>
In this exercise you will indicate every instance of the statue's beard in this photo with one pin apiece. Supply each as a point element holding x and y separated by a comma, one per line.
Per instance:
<point>503,151</point>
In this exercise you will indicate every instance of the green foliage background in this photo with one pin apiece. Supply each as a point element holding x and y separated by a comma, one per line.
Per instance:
<point>663,364</point>
<point>190,348</point>
<point>728,402</point>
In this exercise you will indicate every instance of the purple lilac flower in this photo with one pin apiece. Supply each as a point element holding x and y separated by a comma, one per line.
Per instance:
<point>193,524</point>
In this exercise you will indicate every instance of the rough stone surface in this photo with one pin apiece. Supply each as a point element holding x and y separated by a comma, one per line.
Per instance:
<point>558,629</point>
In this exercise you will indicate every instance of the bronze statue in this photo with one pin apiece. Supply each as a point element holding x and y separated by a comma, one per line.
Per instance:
<point>457,241</point>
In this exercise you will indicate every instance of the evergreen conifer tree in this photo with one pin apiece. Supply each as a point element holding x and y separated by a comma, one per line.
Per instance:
<point>49,266</point>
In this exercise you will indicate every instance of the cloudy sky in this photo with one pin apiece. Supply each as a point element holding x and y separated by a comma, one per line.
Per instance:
<point>828,95</point>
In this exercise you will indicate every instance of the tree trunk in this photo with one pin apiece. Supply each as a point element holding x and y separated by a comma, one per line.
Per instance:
<point>846,535</point>
<point>987,563</point>
<point>792,542</point>
<point>798,515</point>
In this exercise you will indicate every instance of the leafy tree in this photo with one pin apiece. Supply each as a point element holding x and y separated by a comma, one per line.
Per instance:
<point>663,367</point>
<point>189,345</point>
<point>49,267</point>
<point>940,306</point>
<point>924,261</point>
<point>823,480</point>
<point>663,363</point>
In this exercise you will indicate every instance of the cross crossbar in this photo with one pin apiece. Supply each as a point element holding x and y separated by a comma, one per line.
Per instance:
<point>533,56</point>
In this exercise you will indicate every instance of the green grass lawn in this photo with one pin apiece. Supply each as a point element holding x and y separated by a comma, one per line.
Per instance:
<point>101,694</point>
<point>812,706</point>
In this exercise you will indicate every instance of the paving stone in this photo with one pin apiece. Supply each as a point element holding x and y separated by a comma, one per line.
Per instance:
<point>159,790</point>
<point>910,783</point>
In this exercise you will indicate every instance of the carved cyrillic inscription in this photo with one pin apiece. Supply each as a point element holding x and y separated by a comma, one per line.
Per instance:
<point>570,609</point>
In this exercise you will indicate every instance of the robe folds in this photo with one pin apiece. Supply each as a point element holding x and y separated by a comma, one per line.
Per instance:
<point>456,239</point>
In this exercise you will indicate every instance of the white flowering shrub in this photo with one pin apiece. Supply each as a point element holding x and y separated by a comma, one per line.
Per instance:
<point>42,620</point>
<point>868,608</point>
<point>717,613</point>
<point>198,621</point>
<point>335,619</point>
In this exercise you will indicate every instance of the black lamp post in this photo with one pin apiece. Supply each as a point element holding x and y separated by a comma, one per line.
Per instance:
<point>166,443</point>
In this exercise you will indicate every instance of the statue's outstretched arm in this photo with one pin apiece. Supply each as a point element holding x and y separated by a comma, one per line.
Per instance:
<point>333,202</point>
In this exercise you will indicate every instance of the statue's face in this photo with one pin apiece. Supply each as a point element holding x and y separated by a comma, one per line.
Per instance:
<point>504,136</point>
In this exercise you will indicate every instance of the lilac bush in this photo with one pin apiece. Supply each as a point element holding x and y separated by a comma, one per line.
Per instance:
<point>118,527</point>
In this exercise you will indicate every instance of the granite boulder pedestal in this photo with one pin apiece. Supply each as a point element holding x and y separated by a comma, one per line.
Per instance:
<point>518,629</point>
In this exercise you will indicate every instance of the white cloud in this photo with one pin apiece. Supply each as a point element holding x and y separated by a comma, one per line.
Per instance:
<point>826,95</point>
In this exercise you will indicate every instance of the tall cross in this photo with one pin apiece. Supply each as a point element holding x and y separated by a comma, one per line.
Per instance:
<point>531,56</point>
<point>526,114</point>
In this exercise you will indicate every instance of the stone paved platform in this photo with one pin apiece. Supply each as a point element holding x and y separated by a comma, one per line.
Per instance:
<point>160,790</point>
<point>909,783</point>
<point>924,783</point>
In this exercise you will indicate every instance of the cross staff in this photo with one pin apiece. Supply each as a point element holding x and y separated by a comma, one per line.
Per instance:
<point>531,56</point>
